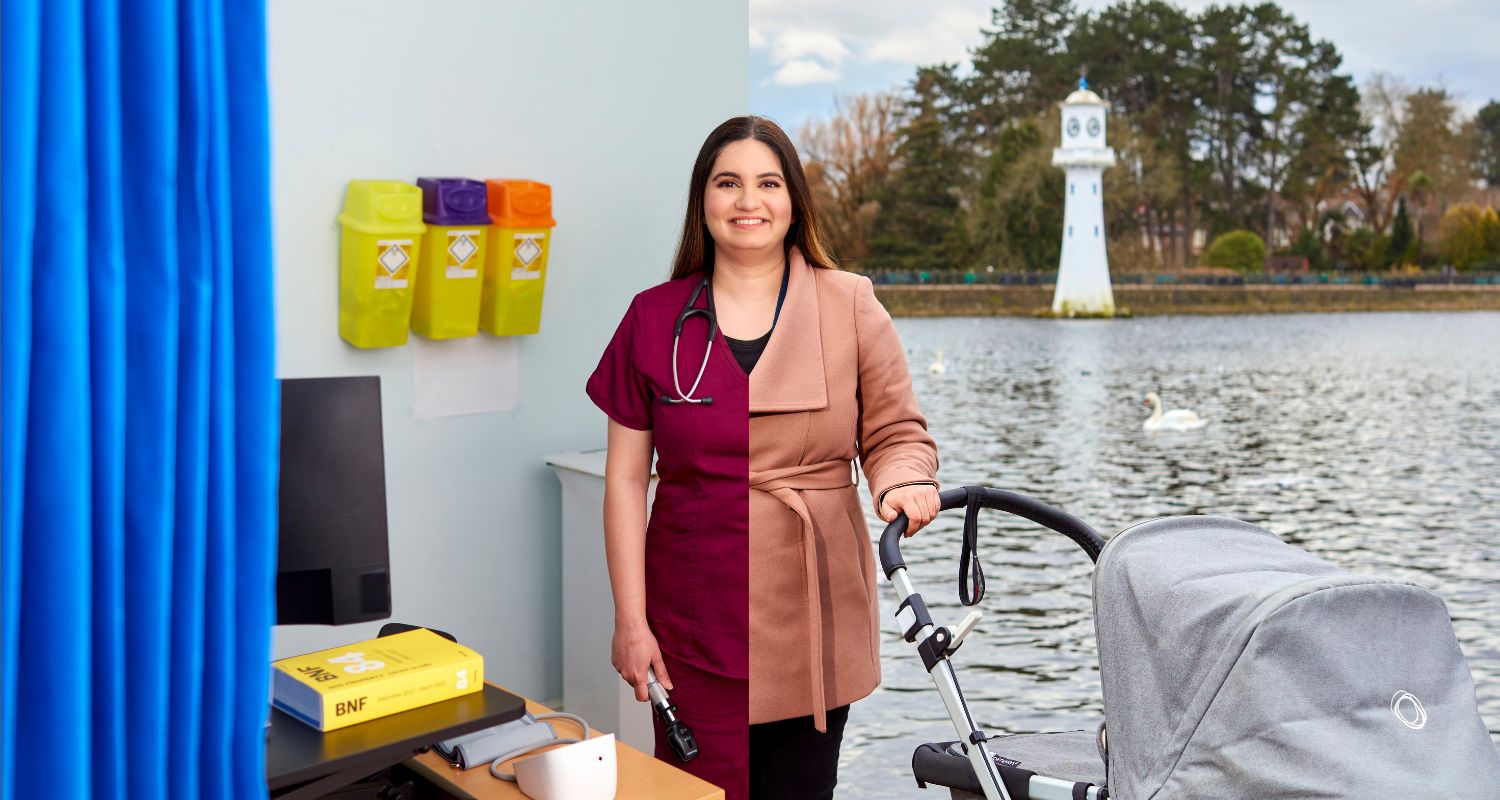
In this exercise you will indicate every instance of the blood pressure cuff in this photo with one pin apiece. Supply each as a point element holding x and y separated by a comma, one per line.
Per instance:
<point>479,748</point>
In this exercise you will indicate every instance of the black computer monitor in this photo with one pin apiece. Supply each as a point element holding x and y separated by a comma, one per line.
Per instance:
<point>333,565</point>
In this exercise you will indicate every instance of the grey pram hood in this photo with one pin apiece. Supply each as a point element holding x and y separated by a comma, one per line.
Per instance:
<point>1236,666</point>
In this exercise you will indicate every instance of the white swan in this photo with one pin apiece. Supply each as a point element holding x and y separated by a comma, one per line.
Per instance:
<point>1178,419</point>
<point>936,367</point>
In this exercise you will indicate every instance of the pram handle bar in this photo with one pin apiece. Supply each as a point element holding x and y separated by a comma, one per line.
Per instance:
<point>1001,500</point>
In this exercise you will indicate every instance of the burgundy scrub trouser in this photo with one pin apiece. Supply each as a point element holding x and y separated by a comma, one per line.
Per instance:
<point>717,710</point>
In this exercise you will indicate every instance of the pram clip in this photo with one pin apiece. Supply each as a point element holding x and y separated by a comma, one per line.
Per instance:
<point>943,643</point>
<point>1232,665</point>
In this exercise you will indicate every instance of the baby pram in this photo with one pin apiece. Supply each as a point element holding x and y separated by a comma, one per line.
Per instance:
<point>1232,665</point>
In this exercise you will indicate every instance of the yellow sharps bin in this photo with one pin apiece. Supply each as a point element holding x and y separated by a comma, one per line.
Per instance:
<point>446,305</point>
<point>515,265</point>
<point>378,257</point>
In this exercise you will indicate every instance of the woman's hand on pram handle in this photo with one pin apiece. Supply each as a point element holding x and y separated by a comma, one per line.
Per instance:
<point>918,501</point>
<point>999,499</point>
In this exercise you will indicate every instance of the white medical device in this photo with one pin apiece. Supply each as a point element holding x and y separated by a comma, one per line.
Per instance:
<point>582,771</point>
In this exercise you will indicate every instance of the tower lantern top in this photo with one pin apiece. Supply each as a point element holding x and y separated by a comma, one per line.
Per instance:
<point>1083,95</point>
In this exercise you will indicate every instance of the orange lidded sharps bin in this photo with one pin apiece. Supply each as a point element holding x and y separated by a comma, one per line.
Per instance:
<point>515,265</point>
<point>383,229</point>
<point>448,286</point>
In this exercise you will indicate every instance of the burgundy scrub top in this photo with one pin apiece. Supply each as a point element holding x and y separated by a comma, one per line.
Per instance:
<point>697,540</point>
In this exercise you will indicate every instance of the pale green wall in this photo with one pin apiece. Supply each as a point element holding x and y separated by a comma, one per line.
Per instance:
<point>608,102</point>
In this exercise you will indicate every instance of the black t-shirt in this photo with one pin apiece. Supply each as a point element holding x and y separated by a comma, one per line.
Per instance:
<point>747,351</point>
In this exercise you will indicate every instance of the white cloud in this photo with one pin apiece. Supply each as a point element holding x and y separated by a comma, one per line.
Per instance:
<point>944,38</point>
<point>795,44</point>
<point>757,39</point>
<point>859,20</point>
<point>804,71</point>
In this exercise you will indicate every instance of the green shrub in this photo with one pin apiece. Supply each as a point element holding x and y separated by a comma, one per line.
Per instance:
<point>1467,234</point>
<point>1310,244</point>
<point>1237,250</point>
<point>1368,251</point>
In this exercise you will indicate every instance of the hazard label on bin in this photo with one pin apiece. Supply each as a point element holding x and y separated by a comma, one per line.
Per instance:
<point>527,266</point>
<point>461,249</point>
<point>394,258</point>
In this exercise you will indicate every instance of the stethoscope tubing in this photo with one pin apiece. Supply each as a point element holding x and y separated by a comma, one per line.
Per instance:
<point>688,396</point>
<point>688,311</point>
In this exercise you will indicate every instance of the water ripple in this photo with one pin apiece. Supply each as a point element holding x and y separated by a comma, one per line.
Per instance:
<point>1371,440</point>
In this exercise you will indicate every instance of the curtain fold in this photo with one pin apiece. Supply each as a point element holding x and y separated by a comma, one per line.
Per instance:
<point>216,758</point>
<point>195,247</point>
<point>140,406</point>
<point>20,47</point>
<point>150,85</point>
<point>56,542</point>
<point>107,373</point>
<point>257,396</point>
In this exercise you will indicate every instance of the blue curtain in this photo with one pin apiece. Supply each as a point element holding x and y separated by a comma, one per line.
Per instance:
<point>140,408</point>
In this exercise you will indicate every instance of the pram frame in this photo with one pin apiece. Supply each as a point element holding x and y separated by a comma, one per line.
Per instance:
<point>936,644</point>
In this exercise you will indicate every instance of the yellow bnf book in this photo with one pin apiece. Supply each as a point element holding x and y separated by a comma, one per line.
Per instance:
<point>334,688</point>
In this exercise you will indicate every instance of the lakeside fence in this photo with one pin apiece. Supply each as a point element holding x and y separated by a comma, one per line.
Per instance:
<point>961,277</point>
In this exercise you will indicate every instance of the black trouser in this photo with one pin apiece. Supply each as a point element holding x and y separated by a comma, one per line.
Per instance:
<point>790,760</point>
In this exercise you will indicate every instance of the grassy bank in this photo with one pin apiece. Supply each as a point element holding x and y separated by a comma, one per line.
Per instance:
<point>1143,301</point>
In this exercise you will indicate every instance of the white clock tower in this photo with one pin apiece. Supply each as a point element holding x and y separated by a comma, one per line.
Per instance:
<point>1083,288</point>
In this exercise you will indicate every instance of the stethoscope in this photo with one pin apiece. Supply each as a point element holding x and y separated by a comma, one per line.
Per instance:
<point>688,312</point>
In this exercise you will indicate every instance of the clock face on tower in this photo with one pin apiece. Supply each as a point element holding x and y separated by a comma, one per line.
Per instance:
<point>1094,127</point>
<point>1073,127</point>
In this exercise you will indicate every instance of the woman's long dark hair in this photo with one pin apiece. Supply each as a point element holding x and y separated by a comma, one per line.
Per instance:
<point>694,251</point>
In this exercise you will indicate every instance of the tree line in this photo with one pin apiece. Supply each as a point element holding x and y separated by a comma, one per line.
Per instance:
<point>1232,119</point>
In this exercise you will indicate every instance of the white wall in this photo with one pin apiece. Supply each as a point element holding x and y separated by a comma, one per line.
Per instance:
<point>606,101</point>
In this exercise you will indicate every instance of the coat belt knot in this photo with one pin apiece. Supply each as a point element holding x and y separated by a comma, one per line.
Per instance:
<point>786,485</point>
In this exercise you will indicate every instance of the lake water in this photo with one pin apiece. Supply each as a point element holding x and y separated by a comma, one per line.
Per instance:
<point>1372,440</point>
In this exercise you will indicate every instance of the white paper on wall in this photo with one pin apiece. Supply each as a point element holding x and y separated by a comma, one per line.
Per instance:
<point>473,375</point>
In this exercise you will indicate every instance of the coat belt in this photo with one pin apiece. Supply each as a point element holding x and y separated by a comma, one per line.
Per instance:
<point>786,485</point>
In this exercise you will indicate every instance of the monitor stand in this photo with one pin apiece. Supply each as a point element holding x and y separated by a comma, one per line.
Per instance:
<point>303,762</point>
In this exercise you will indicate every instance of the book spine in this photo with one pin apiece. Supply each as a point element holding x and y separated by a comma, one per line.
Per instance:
<point>382,698</point>
<point>296,698</point>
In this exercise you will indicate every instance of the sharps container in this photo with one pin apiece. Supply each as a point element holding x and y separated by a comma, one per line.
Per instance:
<point>515,265</point>
<point>448,286</point>
<point>382,224</point>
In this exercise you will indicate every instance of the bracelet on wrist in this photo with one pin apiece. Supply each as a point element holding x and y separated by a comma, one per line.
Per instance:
<point>880,501</point>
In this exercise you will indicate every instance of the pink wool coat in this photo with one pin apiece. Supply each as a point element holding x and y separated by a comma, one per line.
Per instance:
<point>831,385</point>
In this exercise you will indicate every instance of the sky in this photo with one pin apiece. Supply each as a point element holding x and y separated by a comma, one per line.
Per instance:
<point>804,53</point>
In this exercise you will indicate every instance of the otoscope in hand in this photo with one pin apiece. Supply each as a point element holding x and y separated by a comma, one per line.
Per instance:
<point>678,736</point>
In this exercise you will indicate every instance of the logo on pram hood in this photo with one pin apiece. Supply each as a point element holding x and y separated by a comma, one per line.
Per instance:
<point>1409,710</point>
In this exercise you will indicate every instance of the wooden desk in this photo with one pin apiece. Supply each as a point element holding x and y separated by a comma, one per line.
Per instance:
<point>641,777</point>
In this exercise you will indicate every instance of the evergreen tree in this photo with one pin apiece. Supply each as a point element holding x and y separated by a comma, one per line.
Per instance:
<point>1017,219</point>
<point>1487,124</point>
<point>1139,55</point>
<point>1023,67</point>
<point>921,220</point>
<point>1402,236</point>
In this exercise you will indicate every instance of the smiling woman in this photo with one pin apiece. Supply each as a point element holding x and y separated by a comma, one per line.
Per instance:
<point>732,148</point>
<point>750,592</point>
